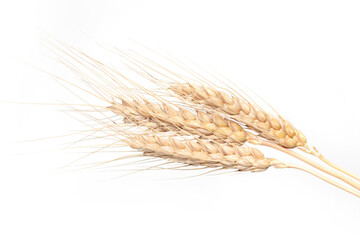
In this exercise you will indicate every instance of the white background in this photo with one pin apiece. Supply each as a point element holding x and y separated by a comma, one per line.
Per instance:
<point>301,56</point>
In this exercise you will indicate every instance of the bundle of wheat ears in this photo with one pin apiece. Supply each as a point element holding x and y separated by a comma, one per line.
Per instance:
<point>187,119</point>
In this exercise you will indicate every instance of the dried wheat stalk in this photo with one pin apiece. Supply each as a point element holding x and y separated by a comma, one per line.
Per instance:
<point>206,126</point>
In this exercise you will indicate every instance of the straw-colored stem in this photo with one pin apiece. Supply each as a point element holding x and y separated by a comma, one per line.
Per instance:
<point>312,163</point>
<point>336,184</point>
<point>340,169</point>
<point>313,151</point>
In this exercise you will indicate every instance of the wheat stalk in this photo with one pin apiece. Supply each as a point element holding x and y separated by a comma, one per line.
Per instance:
<point>205,126</point>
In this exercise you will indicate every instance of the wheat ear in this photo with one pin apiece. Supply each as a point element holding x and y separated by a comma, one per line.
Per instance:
<point>164,117</point>
<point>265,124</point>
<point>201,152</point>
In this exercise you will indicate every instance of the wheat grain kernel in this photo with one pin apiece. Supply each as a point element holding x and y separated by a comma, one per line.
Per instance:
<point>245,107</point>
<point>263,126</point>
<point>170,110</point>
<point>203,117</point>
<point>238,136</point>
<point>225,98</point>
<point>280,134</point>
<point>187,115</point>
<point>255,152</point>
<point>260,115</point>
<point>215,102</point>
<point>225,131</point>
<point>200,94</point>
<point>232,109</point>
<point>219,121</point>
<point>275,124</point>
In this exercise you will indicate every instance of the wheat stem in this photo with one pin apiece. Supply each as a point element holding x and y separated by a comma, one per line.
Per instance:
<point>340,169</point>
<point>317,154</point>
<point>328,180</point>
<point>311,163</point>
